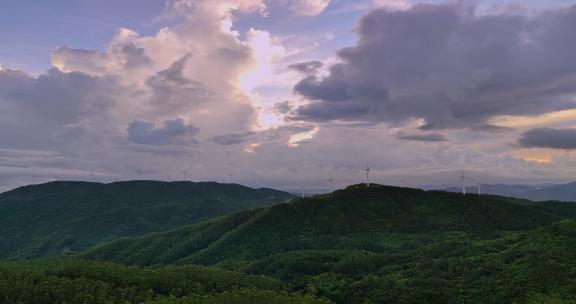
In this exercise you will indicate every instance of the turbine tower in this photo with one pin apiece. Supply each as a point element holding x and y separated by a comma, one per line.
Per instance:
<point>90,174</point>
<point>463,181</point>
<point>464,178</point>
<point>367,169</point>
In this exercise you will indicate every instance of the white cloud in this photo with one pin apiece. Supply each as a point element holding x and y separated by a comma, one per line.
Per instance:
<point>308,7</point>
<point>393,4</point>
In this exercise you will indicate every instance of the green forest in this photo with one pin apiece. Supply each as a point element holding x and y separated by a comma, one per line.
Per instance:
<point>374,244</point>
<point>69,217</point>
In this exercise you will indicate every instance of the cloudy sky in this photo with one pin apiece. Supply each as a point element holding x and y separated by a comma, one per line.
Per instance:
<point>288,93</point>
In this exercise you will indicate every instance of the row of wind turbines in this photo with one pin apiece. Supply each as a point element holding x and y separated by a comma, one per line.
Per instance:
<point>465,181</point>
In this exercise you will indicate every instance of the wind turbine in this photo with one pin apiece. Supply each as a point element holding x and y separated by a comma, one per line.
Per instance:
<point>139,171</point>
<point>367,169</point>
<point>185,173</point>
<point>34,176</point>
<point>463,180</point>
<point>90,174</point>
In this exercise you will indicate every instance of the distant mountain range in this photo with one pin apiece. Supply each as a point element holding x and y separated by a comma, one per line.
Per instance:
<point>67,217</point>
<point>564,192</point>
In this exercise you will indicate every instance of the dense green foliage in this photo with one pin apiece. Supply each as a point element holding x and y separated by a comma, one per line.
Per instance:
<point>374,219</point>
<point>359,246</point>
<point>385,245</point>
<point>73,281</point>
<point>64,217</point>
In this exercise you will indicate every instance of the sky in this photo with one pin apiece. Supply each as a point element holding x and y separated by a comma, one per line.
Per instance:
<point>288,94</point>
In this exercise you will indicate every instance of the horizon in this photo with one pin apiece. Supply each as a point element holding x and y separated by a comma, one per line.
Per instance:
<point>288,93</point>
<point>304,190</point>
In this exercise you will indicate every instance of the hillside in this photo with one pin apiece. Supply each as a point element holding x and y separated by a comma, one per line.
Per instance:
<point>66,217</point>
<point>357,218</point>
<point>380,245</point>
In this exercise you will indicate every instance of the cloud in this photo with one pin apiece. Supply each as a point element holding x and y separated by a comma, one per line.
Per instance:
<point>393,4</point>
<point>489,128</point>
<point>116,107</point>
<point>36,111</point>
<point>432,137</point>
<point>308,7</point>
<point>234,138</point>
<point>129,106</point>
<point>308,67</point>
<point>172,132</point>
<point>549,138</point>
<point>449,67</point>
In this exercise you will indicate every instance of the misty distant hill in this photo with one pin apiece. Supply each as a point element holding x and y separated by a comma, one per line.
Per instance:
<point>565,192</point>
<point>65,217</point>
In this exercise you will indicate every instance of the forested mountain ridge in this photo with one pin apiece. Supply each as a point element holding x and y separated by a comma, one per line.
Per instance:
<point>63,217</point>
<point>358,218</point>
<point>383,244</point>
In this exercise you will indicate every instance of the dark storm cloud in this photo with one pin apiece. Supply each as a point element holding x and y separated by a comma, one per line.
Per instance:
<point>432,137</point>
<point>309,67</point>
<point>549,138</point>
<point>450,67</point>
<point>172,132</point>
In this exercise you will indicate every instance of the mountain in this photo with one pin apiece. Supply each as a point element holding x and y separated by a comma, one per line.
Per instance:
<point>498,189</point>
<point>357,218</point>
<point>565,192</point>
<point>66,217</point>
<point>382,244</point>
